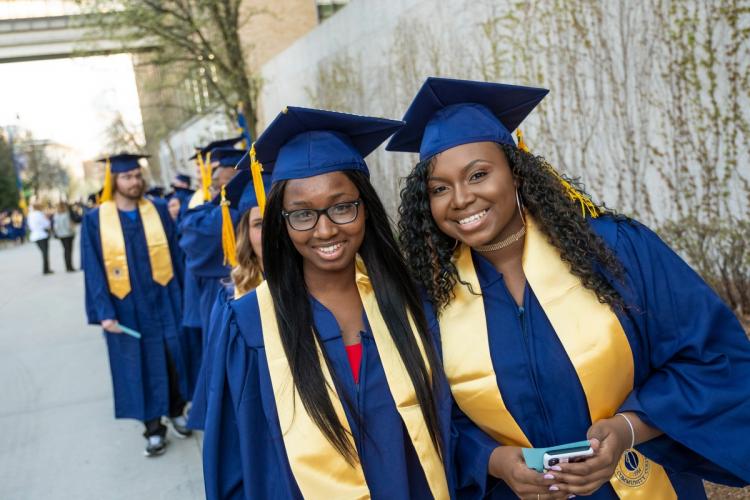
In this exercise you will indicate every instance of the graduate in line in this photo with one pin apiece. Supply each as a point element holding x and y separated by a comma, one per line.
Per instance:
<point>206,261</point>
<point>561,320</point>
<point>182,192</point>
<point>246,274</point>
<point>325,381</point>
<point>132,274</point>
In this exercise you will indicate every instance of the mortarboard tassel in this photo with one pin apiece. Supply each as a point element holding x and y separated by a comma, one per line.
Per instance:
<point>573,193</point>
<point>206,171</point>
<point>107,188</point>
<point>256,168</point>
<point>228,243</point>
<point>521,144</point>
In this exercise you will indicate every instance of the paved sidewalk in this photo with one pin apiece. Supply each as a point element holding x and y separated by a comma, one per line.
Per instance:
<point>58,435</point>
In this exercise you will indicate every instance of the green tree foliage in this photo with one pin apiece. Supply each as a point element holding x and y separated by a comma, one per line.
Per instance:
<point>198,46</point>
<point>8,188</point>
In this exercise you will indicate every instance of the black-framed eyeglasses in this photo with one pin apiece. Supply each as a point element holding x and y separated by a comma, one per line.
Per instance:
<point>305,219</point>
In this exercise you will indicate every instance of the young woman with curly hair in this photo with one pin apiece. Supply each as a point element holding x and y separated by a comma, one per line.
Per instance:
<point>560,320</point>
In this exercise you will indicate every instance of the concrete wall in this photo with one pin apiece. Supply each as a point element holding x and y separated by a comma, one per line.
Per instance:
<point>624,112</point>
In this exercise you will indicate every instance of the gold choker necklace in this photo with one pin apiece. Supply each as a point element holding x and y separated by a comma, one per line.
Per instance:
<point>504,243</point>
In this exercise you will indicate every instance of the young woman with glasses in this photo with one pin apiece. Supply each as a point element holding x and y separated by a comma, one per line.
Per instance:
<point>326,383</point>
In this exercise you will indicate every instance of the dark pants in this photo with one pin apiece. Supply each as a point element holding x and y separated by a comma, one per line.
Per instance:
<point>154,427</point>
<point>67,244</point>
<point>44,247</point>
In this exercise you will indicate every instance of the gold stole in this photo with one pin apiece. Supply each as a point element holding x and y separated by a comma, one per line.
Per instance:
<point>319,469</point>
<point>113,247</point>
<point>591,335</point>
<point>196,200</point>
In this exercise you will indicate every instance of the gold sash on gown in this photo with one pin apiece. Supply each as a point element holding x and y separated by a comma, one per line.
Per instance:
<point>591,335</point>
<point>319,469</point>
<point>113,247</point>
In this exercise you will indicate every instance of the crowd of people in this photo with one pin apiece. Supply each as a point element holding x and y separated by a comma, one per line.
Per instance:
<point>325,355</point>
<point>43,222</point>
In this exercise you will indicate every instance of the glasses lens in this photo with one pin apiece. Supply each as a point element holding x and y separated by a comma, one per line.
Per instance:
<point>343,213</point>
<point>302,220</point>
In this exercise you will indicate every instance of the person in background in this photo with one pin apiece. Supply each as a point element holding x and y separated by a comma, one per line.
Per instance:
<point>173,206</point>
<point>39,226</point>
<point>17,227</point>
<point>133,274</point>
<point>63,229</point>
<point>182,191</point>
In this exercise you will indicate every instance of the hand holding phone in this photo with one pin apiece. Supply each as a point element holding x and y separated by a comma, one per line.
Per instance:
<point>576,452</point>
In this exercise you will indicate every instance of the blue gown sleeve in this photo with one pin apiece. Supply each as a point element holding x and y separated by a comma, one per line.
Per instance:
<point>472,457</point>
<point>98,299</point>
<point>219,318</point>
<point>694,386</point>
<point>222,462</point>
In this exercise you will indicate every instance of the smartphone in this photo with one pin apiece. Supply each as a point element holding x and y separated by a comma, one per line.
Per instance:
<point>564,455</point>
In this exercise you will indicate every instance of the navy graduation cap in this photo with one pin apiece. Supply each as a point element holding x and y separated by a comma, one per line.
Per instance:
<point>155,192</point>
<point>184,178</point>
<point>221,143</point>
<point>305,142</point>
<point>446,113</point>
<point>122,162</point>
<point>240,191</point>
<point>230,157</point>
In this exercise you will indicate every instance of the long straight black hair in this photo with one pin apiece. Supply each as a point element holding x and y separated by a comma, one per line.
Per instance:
<point>395,294</point>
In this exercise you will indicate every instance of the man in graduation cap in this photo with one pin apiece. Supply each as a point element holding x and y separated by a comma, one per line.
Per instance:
<point>132,277</point>
<point>202,229</point>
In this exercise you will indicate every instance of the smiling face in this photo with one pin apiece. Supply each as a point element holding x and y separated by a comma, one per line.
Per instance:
<point>327,247</point>
<point>473,194</point>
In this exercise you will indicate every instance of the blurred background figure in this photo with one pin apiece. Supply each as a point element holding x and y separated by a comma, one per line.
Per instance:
<point>39,226</point>
<point>17,226</point>
<point>62,226</point>
<point>173,206</point>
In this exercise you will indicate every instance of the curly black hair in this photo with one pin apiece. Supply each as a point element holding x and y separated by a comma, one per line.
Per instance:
<point>429,251</point>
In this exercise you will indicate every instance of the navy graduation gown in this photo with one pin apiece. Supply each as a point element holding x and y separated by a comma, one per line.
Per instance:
<point>197,416</point>
<point>244,454</point>
<point>139,366</point>
<point>691,359</point>
<point>201,242</point>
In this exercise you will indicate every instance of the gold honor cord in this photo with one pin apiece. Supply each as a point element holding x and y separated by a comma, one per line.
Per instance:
<point>307,447</point>
<point>598,349</point>
<point>113,247</point>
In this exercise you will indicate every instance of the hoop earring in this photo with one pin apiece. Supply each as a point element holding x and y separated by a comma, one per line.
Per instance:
<point>520,210</point>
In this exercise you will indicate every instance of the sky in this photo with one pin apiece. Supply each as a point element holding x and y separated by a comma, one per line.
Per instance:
<point>70,101</point>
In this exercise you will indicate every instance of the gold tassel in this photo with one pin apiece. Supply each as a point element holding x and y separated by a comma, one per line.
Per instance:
<point>228,243</point>
<point>573,193</point>
<point>256,168</point>
<point>521,144</point>
<point>107,189</point>
<point>206,171</point>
